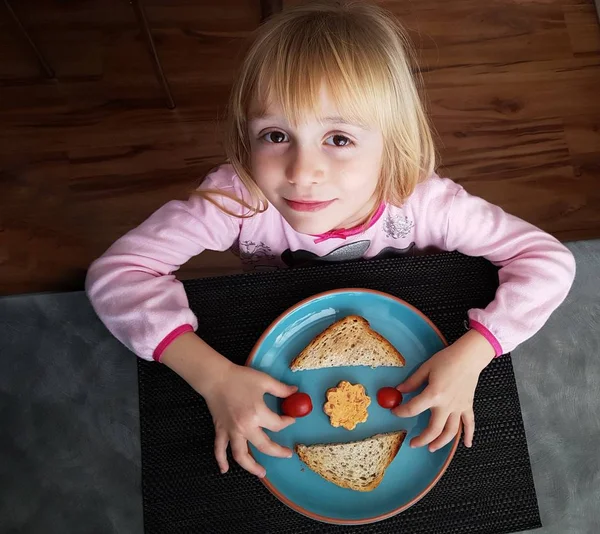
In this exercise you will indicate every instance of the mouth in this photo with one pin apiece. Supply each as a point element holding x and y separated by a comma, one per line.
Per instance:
<point>308,205</point>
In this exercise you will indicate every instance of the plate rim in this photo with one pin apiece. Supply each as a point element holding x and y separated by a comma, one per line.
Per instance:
<point>367,520</point>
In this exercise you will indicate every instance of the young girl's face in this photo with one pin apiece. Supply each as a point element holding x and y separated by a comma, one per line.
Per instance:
<point>320,174</point>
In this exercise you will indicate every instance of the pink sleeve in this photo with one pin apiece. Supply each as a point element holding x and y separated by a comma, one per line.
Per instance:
<point>536,270</point>
<point>132,287</point>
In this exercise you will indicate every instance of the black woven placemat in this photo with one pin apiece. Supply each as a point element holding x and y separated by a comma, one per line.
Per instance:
<point>488,489</point>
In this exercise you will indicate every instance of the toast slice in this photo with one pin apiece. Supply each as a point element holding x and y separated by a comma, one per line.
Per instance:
<point>350,341</point>
<point>357,465</point>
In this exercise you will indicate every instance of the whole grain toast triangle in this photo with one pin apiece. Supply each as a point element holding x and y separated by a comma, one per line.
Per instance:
<point>357,465</point>
<point>350,341</point>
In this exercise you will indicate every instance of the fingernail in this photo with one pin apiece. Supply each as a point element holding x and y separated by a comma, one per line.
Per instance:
<point>262,475</point>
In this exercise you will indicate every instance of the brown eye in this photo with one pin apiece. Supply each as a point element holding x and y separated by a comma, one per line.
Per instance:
<point>338,140</point>
<point>275,137</point>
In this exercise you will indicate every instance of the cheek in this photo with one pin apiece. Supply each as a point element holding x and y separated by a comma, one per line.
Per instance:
<point>361,176</point>
<point>266,169</point>
<point>370,168</point>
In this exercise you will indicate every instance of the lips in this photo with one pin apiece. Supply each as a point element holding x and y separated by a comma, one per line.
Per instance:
<point>308,205</point>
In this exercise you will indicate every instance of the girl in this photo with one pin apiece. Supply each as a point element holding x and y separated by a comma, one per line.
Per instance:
<point>330,156</point>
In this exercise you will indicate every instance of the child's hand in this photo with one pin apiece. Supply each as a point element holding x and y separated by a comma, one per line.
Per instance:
<point>234,395</point>
<point>240,414</point>
<point>452,376</point>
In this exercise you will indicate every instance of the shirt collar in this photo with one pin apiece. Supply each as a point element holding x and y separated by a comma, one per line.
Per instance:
<point>343,233</point>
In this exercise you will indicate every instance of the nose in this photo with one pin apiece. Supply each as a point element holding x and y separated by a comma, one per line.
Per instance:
<point>305,167</point>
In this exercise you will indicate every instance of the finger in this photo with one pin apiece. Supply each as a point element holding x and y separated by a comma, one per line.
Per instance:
<point>267,446</point>
<point>279,389</point>
<point>449,433</point>
<point>416,405</point>
<point>437,421</point>
<point>221,442</point>
<point>239,448</point>
<point>273,422</point>
<point>414,381</point>
<point>468,419</point>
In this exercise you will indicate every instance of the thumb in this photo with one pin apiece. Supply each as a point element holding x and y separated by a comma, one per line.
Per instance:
<point>279,389</point>
<point>414,381</point>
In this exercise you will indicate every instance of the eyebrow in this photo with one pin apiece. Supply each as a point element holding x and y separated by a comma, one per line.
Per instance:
<point>342,120</point>
<point>335,119</point>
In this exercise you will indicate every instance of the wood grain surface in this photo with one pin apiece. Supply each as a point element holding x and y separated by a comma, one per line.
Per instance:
<point>513,88</point>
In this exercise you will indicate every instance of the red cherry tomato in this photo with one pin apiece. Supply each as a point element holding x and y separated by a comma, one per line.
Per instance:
<point>389,397</point>
<point>297,405</point>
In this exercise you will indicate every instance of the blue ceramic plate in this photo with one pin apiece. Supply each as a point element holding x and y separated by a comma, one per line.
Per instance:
<point>414,471</point>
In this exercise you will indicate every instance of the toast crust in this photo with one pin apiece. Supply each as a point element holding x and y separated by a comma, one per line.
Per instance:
<point>299,362</point>
<point>304,453</point>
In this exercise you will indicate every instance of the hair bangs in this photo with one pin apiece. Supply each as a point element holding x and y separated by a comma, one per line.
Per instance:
<point>296,67</point>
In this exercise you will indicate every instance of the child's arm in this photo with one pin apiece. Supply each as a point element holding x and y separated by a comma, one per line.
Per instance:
<point>536,273</point>
<point>132,286</point>
<point>134,292</point>
<point>536,270</point>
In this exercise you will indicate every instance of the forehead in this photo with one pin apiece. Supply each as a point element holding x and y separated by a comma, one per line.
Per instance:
<point>323,105</point>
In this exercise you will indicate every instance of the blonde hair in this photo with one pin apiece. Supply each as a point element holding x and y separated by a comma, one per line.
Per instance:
<point>361,55</point>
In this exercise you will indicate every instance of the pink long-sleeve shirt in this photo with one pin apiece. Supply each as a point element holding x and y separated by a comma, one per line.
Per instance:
<point>134,291</point>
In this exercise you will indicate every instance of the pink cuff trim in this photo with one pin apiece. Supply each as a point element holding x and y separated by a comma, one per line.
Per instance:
<point>184,328</point>
<point>343,233</point>
<point>487,335</point>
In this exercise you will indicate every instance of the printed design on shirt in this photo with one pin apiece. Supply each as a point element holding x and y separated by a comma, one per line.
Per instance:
<point>347,252</point>
<point>252,253</point>
<point>397,227</point>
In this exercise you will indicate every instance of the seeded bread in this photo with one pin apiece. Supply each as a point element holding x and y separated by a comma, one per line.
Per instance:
<point>357,465</point>
<point>350,341</point>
